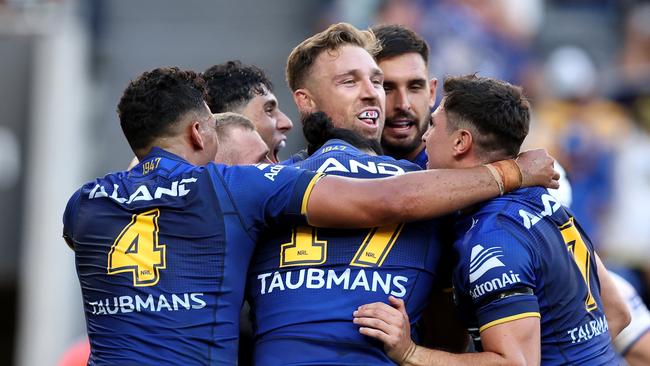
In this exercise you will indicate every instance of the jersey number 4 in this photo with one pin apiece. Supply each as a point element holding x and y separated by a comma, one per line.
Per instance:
<point>306,249</point>
<point>136,250</point>
<point>581,256</point>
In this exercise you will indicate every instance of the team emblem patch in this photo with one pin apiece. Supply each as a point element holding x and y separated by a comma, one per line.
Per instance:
<point>483,260</point>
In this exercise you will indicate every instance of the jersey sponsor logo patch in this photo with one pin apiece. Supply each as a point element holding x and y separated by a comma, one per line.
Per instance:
<point>356,167</point>
<point>483,260</point>
<point>316,278</point>
<point>551,205</point>
<point>137,303</point>
<point>495,284</point>
<point>143,193</point>
<point>273,170</point>
<point>589,330</point>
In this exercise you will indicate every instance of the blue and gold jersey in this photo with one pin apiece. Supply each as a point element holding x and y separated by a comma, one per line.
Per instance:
<point>161,253</point>
<point>523,255</point>
<point>305,283</point>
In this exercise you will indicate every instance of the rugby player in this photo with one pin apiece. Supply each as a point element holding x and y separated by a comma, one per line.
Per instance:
<point>245,89</point>
<point>410,94</point>
<point>161,250</point>
<point>334,72</point>
<point>336,270</point>
<point>239,142</point>
<point>410,98</point>
<point>527,277</point>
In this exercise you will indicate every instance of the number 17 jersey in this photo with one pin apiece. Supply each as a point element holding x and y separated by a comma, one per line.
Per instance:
<point>304,283</point>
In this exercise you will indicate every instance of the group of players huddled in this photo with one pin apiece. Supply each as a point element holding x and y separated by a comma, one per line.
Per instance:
<point>344,251</point>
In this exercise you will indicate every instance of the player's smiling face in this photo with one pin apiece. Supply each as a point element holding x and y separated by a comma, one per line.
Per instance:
<point>410,95</point>
<point>347,85</point>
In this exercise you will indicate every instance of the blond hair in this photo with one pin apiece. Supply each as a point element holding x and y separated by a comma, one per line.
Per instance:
<point>226,121</point>
<point>303,56</point>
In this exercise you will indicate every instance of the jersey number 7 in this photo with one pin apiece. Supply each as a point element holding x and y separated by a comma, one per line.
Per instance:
<point>581,255</point>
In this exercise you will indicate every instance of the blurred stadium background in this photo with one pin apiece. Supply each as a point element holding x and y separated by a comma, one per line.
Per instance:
<point>63,65</point>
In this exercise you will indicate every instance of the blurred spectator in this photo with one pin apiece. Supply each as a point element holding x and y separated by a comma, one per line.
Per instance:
<point>470,36</point>
<point>635,56</point>
<point>583,128</point>
<point>627,230</point>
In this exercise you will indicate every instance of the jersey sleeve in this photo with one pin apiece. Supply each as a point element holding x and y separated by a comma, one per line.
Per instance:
<point>267,194</point>
<point>68,218</point>
<point>496,271</point>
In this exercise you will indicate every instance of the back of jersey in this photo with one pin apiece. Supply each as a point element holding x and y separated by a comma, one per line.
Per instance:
<point>149,248</point>
<point>304,283</point>
<point>524,255</point>
<point>161,252</point>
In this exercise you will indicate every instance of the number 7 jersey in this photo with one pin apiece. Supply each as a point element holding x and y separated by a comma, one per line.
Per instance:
<point>523,255</point>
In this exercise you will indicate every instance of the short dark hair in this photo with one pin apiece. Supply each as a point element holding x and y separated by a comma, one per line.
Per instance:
<point>318,129</point>
<point>397,40</point>
<point>496,111</point>
<point>231,85</point>
<point>153,104</point>
<point>303,56</point>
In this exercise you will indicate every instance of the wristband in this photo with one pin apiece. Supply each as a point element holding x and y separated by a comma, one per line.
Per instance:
<point>497,177</point>
<point>510,174</point>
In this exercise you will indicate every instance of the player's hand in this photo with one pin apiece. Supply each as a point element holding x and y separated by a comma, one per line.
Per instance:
<point>537,169</point>
<point>389,324</point>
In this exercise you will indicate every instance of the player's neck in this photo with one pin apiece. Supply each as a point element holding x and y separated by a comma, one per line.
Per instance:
<point>176,146</point>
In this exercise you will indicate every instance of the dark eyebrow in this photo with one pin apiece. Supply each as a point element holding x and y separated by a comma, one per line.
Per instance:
<point>270,103</point>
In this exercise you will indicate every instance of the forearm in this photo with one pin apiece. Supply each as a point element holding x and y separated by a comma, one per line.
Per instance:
<point>442,192</point>
<point>429,357</point>
<point>409,197</point>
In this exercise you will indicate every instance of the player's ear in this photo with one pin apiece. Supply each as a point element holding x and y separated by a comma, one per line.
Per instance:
<point>196,139</point>
<point>433,84</point>
<point>304,101</point>
<point>463,142</point>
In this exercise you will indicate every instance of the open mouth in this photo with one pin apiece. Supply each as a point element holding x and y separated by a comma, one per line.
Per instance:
<point>369,117</point>
<point>400,124</point>
<point>274,154</point>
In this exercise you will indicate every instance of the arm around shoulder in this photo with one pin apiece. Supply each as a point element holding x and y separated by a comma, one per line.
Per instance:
<point>348,202</point>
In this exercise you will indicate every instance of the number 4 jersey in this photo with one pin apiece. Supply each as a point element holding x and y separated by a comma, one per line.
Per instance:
<point>161,252</point>
<point>305,283</point>
<point>523,255</point>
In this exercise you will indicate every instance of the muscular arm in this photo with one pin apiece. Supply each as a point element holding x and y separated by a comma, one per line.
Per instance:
<point>345,202</point>
<point>512,343</point>
<point>616,311</point>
